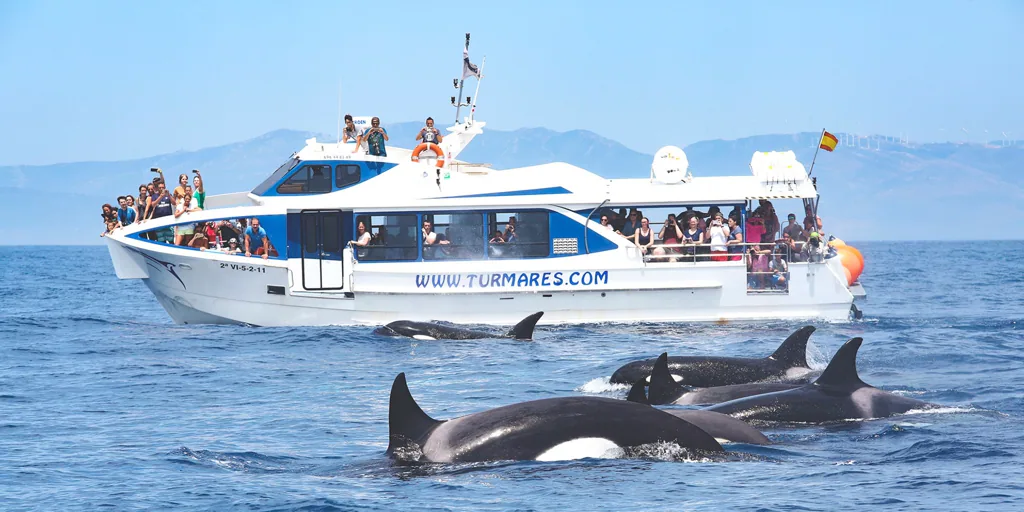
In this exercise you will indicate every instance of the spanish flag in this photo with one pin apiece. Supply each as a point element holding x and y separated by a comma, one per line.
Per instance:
<point>828,141</point>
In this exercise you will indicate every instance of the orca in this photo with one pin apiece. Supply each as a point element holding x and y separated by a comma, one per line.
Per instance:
<point>429,331</point>
<point>665,390</point>
<point>548,429</point>
<point>720,426</point>
<point>788,362</point>
<point>837,395</point>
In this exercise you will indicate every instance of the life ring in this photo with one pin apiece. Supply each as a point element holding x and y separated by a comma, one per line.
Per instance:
<point>431,146</point>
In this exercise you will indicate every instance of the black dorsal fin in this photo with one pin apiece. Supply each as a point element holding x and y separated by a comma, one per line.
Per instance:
<point>638,393</point>
<point>406,421</point>
<point>842,369</point>
<point>793,351</point>
<point>524,329</point>
<point>663,388</point>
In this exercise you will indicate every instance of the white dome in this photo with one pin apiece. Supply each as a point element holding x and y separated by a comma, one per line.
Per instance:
<point>670,165</point>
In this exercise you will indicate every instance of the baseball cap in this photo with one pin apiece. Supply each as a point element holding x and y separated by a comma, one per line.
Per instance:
<point>814,234</point>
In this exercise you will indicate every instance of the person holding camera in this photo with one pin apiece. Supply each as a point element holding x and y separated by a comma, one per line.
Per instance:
<point>693,236</point>
<point>670,233</point>
<point>718,235</point>
<point>510,231</point>
<point>199,195</point>
<point>735,242</point>
<point>429,134</point>
<point>811,252</point>
<point>374,139</point>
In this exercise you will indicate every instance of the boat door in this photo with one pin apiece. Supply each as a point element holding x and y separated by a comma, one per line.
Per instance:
<point>323,233</point>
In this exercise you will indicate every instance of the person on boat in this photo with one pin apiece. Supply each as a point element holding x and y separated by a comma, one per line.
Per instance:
<point>605,222</point>
<point>755,228</point>
<point>812,249</point>
<point>632,224</point>
<point>129,201</point>
<point>669,235</point>
<point>735,242</point>
<point>510,231</point>
<point>184,233</point>
<point>766,211</point>
<point>809,220</point>
<point>351,133</point>
<point>363,238</point>
<point>109,215</point>
<point>780,271</point>
<point>160,205</point>
<point>496,238</point>
<point>199,196</point>
<point>125,213</point>
<point>693,236</point>
<point>795,232</point>
<point>256,241</point>
<point>140,203</point>
<point>429,134</point>
<point>374,138</point>
<point>429,236</point>
<point>642,237</point>
<point>788,245</point>
<point>757,267</point>
<point>718,236</point>
<point>232,247</point>
<point>179,191</point>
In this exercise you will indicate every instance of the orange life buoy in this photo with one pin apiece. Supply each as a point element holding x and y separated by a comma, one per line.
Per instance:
<point>431,146</point>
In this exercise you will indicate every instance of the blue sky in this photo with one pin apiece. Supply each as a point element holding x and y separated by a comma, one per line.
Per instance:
<point>116,80</point>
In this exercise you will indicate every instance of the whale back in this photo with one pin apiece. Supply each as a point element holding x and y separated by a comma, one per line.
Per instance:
<point>524,329</point>
<point>663,388</point>
<point>841,372</point>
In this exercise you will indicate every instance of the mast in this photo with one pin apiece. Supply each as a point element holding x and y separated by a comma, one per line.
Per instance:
<point>460,83</point>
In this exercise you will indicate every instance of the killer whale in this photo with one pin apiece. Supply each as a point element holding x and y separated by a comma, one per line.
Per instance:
<point>788,362</point>
<point>546,429</point>
<point>434,331</point>
<point>665,390</point>
<point>838,394</point>
<point>718,425</point>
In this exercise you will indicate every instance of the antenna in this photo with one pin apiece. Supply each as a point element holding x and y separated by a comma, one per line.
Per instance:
<point>339,111</point>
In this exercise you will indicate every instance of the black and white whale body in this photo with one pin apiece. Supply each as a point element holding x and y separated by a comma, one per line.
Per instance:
<point>789,362</point>
<point>549,429</point>
<point>838,394</point>
<point>432,331</point>
<point>718,425</point>
<point>665,390</point>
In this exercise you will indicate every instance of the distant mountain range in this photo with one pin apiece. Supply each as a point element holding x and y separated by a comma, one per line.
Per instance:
<point>888,192</point>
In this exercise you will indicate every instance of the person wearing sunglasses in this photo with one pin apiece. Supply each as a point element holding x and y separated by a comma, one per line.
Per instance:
<point>375,138</point>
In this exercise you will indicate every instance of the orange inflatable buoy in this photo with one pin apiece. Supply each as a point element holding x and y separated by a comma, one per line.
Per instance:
<point>849,276</point>
<point>837,243</point>
<point>431,146</point>
<point>852,261</point>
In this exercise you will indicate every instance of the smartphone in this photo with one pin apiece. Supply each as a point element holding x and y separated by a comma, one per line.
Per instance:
<point>195,171</point>
<point>154,169</point>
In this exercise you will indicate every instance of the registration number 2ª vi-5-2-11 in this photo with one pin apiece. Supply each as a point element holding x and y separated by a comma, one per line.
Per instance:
<point>243,268</point>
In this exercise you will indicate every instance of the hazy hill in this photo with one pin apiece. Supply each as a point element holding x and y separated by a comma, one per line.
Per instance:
<point>886,192</point>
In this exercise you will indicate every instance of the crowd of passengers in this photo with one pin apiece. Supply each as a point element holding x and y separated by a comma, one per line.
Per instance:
<point>237,236</point>
<point>693,235</point>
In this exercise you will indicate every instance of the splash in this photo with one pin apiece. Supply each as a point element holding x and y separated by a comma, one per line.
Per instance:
<point>601,385</point>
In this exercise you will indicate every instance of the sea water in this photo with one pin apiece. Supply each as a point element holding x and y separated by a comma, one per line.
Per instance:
<point>105,403</point>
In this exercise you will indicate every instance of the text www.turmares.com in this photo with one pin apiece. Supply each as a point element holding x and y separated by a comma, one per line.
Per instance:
<point>513,279</point>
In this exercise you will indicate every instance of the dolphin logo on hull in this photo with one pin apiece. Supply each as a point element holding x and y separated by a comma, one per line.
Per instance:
<point>837,395</point>
<point>548,429</point>
<point>428,331</point>
<point>787,362</point>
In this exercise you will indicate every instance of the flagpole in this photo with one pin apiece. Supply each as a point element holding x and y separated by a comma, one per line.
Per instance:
<point>476,94</point>
<point>818,148</point>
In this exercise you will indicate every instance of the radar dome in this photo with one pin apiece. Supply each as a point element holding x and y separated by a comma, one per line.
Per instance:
<point>670,165</point>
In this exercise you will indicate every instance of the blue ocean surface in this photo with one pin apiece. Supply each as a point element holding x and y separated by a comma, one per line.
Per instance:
<point>105,403</point>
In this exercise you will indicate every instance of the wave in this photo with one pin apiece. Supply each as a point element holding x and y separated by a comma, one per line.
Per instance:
<point>245,462</point>
<point>601,386</point>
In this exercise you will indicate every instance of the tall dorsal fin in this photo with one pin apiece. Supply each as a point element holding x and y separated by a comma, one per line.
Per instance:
<point>406,421</point>
<point>663,388</point>
<point>524,329</point>
<point>638,393</point>
<point>842,369</point>
<point>793,351</point>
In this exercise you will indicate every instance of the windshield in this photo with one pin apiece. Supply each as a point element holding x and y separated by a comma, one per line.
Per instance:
<point>262,188</point>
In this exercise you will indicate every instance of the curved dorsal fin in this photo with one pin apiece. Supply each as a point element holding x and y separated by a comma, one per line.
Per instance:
<point>793,351</point>
<point>637,393</point>
<point>842,369</point>
<point>406,421</point>
<point>524,329</point>
<point>663,388</point>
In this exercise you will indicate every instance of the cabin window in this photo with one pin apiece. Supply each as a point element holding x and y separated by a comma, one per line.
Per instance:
<point>281,172</point>
<point>393,237</point>
<point>454,236</point>
<point>518,235</point>
<point>309,179</point>
<point>345,175</point>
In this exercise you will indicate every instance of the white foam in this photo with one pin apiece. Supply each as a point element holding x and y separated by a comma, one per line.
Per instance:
<point>582,448</point>
<point>601,385</point>
<point>677,378</point>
